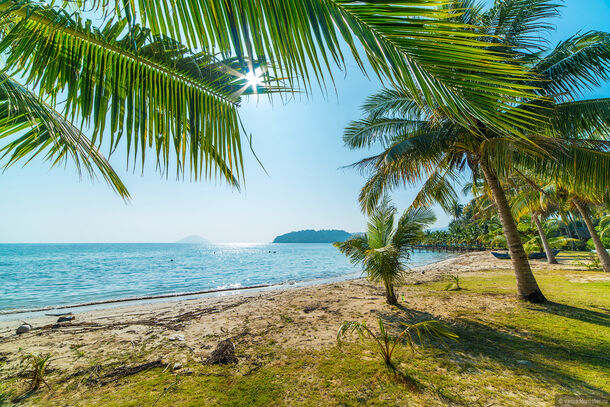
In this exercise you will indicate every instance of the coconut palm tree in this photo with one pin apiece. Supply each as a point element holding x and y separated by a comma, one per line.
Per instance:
<point>126,77</point>
<point>529,199</point>
<point>583,205</point>
<point>422,144</point>
<point>554,197</point>
<point>385,247</point>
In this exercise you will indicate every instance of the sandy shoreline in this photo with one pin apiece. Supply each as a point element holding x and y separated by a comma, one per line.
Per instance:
<point>316,310</point>
<point>21,314</point>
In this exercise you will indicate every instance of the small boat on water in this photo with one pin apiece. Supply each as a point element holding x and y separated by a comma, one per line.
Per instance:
<point>531,256</point>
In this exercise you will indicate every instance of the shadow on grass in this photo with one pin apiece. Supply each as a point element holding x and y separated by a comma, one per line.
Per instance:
<point>518,352</point>
<point>23,397</point>
<point>568,311</point>
<point>410,382</point>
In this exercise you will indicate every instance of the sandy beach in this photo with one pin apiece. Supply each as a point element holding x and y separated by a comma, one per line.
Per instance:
<point>317,311</point>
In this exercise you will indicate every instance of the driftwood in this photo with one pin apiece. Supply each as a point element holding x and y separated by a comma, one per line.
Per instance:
<point>173,322</point>
<point>224,354</point>
<point>114,374</point>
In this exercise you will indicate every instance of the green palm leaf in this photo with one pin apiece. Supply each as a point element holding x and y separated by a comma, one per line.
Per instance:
<point>575,65</point>
<point>420,46</point>
<point>34,128</point>
<point>155,94</point>
<point>582,118</point>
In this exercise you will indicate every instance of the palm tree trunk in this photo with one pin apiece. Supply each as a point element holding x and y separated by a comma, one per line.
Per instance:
<point>545,243</point>
<point>527,287</point>
<point>390,296</point>
<point>602,253</point>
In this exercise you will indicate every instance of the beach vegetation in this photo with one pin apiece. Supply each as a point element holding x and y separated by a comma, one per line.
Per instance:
<point>453,282</point>
<point>38,364</point>
<point>385,248</point>
<point>592,263</point>
<point>386,344</point>
<point>567,145</point>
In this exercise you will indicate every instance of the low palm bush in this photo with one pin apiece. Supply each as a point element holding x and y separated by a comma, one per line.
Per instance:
<point>386,344</point>
<point>454,282</point>
<point>385,247</point>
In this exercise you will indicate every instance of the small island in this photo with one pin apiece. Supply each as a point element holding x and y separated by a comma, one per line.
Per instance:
<point>193,239</point>
<point>313,236</point>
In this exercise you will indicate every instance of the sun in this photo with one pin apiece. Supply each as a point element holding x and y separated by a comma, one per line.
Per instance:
<point>253,79</point>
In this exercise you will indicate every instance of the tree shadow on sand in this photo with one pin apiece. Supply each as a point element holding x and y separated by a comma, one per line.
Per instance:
<point>516,351</point>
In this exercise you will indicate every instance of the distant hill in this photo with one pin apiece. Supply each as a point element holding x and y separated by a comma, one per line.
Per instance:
<point>313,236</point>
<point>193,239</point>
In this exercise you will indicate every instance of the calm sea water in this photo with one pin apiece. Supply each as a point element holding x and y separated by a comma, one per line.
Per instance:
<point>42,275</point>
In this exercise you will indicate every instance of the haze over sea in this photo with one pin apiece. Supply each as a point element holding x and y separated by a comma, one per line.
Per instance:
<point>45,275</point>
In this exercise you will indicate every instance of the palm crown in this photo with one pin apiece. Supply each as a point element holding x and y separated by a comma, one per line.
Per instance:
<point>422,144</point>
<point>385,248</point>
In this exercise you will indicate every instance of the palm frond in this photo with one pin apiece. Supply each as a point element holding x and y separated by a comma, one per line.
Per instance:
<point>575,65</point>
<point>381,224</point>
<point>410,227</point>
<point>419,46</point>
<point>155,94</point>
<point>354,248</point>
<point>381,130</point>
<point>582,119</point>
<point>520,25</point>
<point>437,188</point>
<point>575,166</point>
<point>372,191</point>
<point>393,103</point>
<point>34,128</point>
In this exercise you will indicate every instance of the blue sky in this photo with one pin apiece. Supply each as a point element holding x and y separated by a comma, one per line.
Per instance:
<point>299,143</point>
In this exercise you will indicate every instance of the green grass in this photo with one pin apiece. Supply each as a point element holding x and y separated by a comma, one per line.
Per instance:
<point>509,353</point>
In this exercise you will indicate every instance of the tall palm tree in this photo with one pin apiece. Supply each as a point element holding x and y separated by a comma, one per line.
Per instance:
<point>423,144</point>
<point>555,197</point>
<point>530,199</point>
<point>130,80</point>
<point>583,204</point>
<point>386,246</point>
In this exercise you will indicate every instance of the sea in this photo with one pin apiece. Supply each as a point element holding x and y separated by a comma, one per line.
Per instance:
<point>37,277</point>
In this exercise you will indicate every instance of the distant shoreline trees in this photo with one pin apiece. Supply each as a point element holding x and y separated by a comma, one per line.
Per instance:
<point>313,236</point>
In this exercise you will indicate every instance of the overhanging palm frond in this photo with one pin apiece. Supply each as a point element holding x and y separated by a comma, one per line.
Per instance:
<point>393,103</point>
<point>382,130</point>
<point>372,191</point>
<point>406,162</point>
<point>34,128</point>
<point>575,65</point>
<point>581,166</point>
<point>519,24</point>
<point>419,46</point>
<point>437,188</point>
<point>389,114</point>
<point>154,92</point>
<point>583,118</point>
